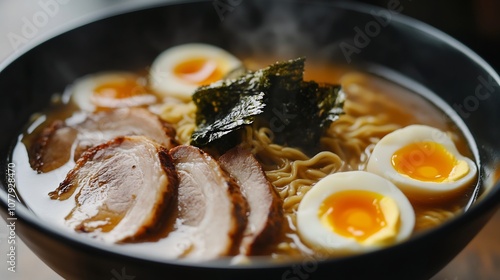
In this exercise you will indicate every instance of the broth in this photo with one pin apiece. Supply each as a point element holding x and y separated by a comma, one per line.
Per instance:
<point>369,99</point>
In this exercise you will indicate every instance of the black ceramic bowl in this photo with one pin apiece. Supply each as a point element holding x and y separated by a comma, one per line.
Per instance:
<point>345,34</point>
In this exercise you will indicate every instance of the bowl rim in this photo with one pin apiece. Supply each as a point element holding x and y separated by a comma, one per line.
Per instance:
<point>487,203</point>
<point>93,16</point>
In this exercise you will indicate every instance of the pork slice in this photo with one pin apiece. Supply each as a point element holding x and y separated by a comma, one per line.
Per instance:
<point>58,141</point>
<point>212,211</point>
<point>52,149</point>
<point>124,186</point>
<point>102,126</point>
<point>265,221</point>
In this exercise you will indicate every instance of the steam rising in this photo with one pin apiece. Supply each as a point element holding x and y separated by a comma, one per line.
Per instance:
<point>281,30</point>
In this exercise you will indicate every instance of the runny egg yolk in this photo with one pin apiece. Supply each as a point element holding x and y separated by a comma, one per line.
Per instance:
<point>359,214</point>
<point>122,88</point>
<point>428,162</point>
<point>198,71</point>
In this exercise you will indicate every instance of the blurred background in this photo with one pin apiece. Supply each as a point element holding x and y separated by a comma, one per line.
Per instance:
<point>476,23</point>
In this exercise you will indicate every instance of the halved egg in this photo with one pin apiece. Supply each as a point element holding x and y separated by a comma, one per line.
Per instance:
<point>110,90</point>
<point>355,211</point>
<point>423,162</point>
<point>180,70</point>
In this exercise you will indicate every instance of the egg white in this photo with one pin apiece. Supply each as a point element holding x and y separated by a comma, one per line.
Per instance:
<point>81,91</point>
<point>163,80</point>
<point>317,235</point>
<point>380,163</point>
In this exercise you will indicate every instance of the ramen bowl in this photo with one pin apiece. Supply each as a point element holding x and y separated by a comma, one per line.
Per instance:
<point>376,40</point>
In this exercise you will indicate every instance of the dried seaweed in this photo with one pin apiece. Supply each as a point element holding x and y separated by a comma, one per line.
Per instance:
<point>296,111</point>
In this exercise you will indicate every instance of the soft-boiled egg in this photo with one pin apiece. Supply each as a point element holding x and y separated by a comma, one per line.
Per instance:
<point>110,90</point>
<point>180,70</point>
<point>354,211</point>
<point>423,162</point>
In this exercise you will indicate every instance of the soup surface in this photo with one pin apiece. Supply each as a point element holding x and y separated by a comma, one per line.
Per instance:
<point>374,108</point>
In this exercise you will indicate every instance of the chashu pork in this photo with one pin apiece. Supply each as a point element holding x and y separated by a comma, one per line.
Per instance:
<point>212,211</point>
<point>52,149</point>
<point>58,141</point>
<point>265,220</point>
<point>124,187</point>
